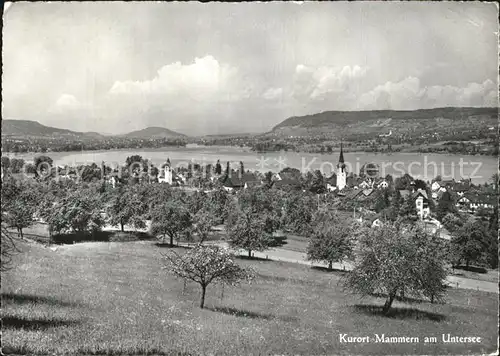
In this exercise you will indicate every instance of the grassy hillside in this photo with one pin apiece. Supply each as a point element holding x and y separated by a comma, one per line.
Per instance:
<point>381,121</point>
<point>114,298</point>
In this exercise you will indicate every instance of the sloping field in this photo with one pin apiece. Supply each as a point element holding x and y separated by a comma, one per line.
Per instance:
<point>114,298</point>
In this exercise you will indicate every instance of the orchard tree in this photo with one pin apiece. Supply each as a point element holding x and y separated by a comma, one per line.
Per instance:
<point>252,221</point>
<point>5,163</point>
<point>408,211</point>
<point>469,242</point>
<point>79,211</point>
<point>218,201</point>
<point>19,204</point>
<point>445,206</point>
<point>393,260</point>
<point>203,221</point>
<point>206,265</point>
<point>452,222</point>
<point>127,206</point>
<point>170,219</point>
<point>298,210</point>
<point>42,164</point>
<point>331,240</point>
<point>8,249</point>
<point>16,165</point>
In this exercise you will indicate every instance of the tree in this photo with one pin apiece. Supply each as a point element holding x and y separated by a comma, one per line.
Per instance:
<point>203,221</point>
<point>218,168</point>
<point>393,261</point>
<point>452,222</point>
<point>16,165</point>
<point>127,206</point>
<point>331,240</point>
<point>318,185</point>
<point>242,167</point>
<point>218,204</point>
<point>445,205</point>
<point>8,249</point>
<point>469,242</point>
<point>42,164</point>
<point>408,211</point>
<point>420,184</point>
<point>403,182</point>
<point>382,201</point>
<point>19,203</point>
<point>5,163</point>
<point>252,221</point>
<point>79,211</point>
<point>206,265</point>
<point>298,210</point>
<point>170,219</point>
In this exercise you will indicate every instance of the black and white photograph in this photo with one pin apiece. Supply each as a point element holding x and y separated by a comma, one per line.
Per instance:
<point>254,178</point>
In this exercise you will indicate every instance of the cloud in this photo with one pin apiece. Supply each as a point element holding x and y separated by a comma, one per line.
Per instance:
<point>341,84</point>
<point>273,94</point>
<point>67,102</point>
<point>408,94</point>
<point>204,80</point>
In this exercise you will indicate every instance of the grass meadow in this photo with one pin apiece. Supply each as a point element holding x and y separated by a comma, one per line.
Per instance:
<point>114,298</point>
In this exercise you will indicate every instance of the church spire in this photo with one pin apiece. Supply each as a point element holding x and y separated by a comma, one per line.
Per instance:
<point>341,157</point>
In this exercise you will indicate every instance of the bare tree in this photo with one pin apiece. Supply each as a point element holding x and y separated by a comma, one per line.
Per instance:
<point>205,265</point>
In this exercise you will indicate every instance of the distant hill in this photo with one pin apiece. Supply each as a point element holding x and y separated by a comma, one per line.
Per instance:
<point>380,122</point>
<point>153,132</point>
<point>36,129</point>
<point>24,128</point>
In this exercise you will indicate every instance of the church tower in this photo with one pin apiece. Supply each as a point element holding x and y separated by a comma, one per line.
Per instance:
<point>168,172</point>
<point>341,170</point>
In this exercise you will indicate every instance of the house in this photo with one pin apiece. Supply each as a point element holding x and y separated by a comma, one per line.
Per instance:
<point>113,181</point>
<point>422,203</point>
<point>237,180</point>
<point>463,204</point>
<point>231,182</point>
<point>377,223</point>
<point>461,188</point>
<point>365,184</point>
<point>435,186</point>
<point>472,202</point>
<point>166,176</point>
<point>381,184</point>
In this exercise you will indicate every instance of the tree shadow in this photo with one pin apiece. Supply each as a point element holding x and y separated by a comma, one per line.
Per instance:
<point>253,258</point>
<point>327,270</point>
<point>474,269</point>
<point>75,237</point>
<point>278,241</point>
<point>167,245</point>
<point>33,299</point>
<point>410,300</point>
<point>399,313</point>
<point>119,236</point>
<point>14,322</point>
<point>249,314</point>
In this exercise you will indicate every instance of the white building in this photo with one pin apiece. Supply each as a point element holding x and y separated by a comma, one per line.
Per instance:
<point>341,171</point>
<point>167,175</point>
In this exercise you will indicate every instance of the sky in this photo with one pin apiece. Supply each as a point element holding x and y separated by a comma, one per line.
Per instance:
<point>215,68</point>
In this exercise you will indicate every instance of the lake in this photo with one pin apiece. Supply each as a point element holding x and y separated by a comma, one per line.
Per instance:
<point>423,166</point>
